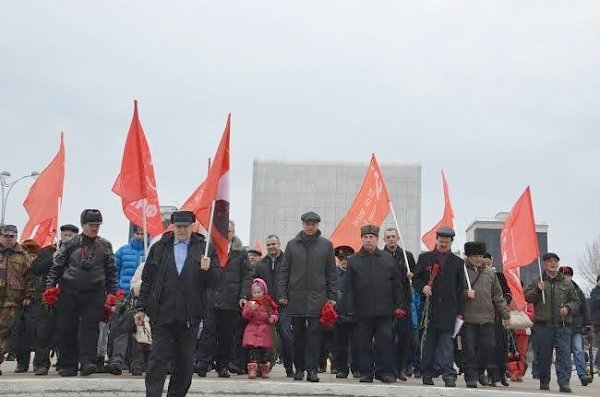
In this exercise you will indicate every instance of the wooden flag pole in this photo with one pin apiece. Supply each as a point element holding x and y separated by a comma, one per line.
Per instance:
<point>543,291</point>
<point>145,226</point>
<point>210,223</point>
<point>401,239</point>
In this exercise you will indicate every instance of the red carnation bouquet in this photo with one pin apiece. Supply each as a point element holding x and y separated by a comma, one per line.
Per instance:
<point>328,315</point>
<point>434,271</point>
<point>111,302</point>
<point>50,296</point>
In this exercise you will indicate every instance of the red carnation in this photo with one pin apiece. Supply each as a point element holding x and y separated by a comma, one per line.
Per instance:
<point>400,313</point>
<point>328,315</point>
<point>50,296</point>
<point>120,294</point>
<point>111,300</point>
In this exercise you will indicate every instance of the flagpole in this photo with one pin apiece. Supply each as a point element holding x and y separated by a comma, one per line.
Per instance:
<point>210,222</point>
<point>56,234</point>
<point>401,239</point>
<point>145,226</point>
<point>543,292</point>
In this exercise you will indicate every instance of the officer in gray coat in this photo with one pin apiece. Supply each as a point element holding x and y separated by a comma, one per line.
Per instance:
<point>306,281</point>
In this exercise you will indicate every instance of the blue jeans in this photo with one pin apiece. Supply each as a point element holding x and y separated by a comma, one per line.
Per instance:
<point>547,340</point>
<point>438,355</point>
<point>578,354</point>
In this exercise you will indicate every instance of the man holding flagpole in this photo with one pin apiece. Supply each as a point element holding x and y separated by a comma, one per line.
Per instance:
<point>174,281</point>
<point>552,322</point>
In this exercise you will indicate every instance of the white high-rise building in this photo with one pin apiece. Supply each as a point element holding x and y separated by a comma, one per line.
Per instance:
<point>284,189</point>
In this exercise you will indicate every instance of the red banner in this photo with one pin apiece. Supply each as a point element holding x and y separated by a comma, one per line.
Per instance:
<point>371,206</point>
<point>429,238</point>
<point>136,184</point>
<point>43,199</point>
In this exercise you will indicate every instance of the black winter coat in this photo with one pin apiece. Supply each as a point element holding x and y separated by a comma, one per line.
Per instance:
<point>581,318</point>
<point>165,296</point>
<point>595,305</point>
<point>84,264</point>
<point>374,285</point>
<point>40,268</point>
<point>237,277</point>
<point>398,255</point>
<point>308,277</point>
<point>447,300</point>
<point>267,269</point>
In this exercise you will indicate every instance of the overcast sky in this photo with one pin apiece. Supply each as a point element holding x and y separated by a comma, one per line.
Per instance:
<point>499,94</point>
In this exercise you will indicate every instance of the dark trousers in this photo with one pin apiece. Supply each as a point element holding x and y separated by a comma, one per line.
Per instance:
<point>326,346</point>
<point>547,339</point>
<point>379,330</point>
<point>25,338</point>
<point>478,348</point>
<point>226,322</point>
<point>344,349</point>
<point>78,317</point>
<point>206,346</point>
<point>171,340</point>
<point>285,334</point>
<point>46,336</point>
<point>238,352</point>
<point>438,354</point>
<point>402,342</point>
<point>500,352</point>
<point>307,343</point>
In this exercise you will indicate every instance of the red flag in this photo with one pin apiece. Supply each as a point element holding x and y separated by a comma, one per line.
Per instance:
<point>371,206</point>
<point>136,184</point>
<point>259,247</point>
<point>216,188</point>
<point>447,220</point>
<point>42,201</point>
<point>519,245</point>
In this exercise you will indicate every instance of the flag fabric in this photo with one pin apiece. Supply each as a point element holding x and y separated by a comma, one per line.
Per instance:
<point>136,184</point>
<point>519,245</point>
<point>371,206</point>
<point>429,238</point>
<point>42,201</point>
<point>259,247</point>
<point>216,188</point>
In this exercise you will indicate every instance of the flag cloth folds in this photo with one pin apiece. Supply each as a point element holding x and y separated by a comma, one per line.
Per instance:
<point>136,184</point>
<point>447,220</point>
<point>519,244</point>
<point>371,206</point>
<point>43,200</point>
<point>216,188</point>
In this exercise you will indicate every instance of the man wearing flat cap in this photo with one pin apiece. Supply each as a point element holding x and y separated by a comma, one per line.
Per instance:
<point>374,297</point>
<point>46,334</point>
<point>306,281</point>
<point>484,302</point>
<point>440,276</point>
<point>175,278</point>
<point>84,270</point>
<point>555,302</point>
<point>16,284</point>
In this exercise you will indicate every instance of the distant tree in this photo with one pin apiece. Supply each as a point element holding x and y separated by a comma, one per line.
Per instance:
<point>589,264</point>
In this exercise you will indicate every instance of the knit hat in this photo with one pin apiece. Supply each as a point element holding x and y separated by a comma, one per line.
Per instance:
<point>262,284</point>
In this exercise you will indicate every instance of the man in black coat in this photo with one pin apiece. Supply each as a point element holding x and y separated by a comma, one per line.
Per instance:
<point>375,296</point>
<point>440,277</point>
<point>174,281</point>
<point>307,280</point>
<point>595,319</point>
<point>403,326</point>
<point>85,272</point>
<point>267,269</point>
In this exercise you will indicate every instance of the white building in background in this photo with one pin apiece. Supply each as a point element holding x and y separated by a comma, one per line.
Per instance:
<point>283,189</point>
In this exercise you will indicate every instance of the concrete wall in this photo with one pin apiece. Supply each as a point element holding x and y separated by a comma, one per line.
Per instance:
<point>283,189</point>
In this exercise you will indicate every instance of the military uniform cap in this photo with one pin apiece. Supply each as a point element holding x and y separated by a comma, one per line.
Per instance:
<point>343,251</point>
<point>9,230</point>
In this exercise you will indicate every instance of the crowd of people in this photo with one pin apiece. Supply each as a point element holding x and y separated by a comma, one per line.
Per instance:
<point>370,314</point>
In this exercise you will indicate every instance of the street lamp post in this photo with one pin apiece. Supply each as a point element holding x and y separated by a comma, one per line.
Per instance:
<point>7,187</point>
